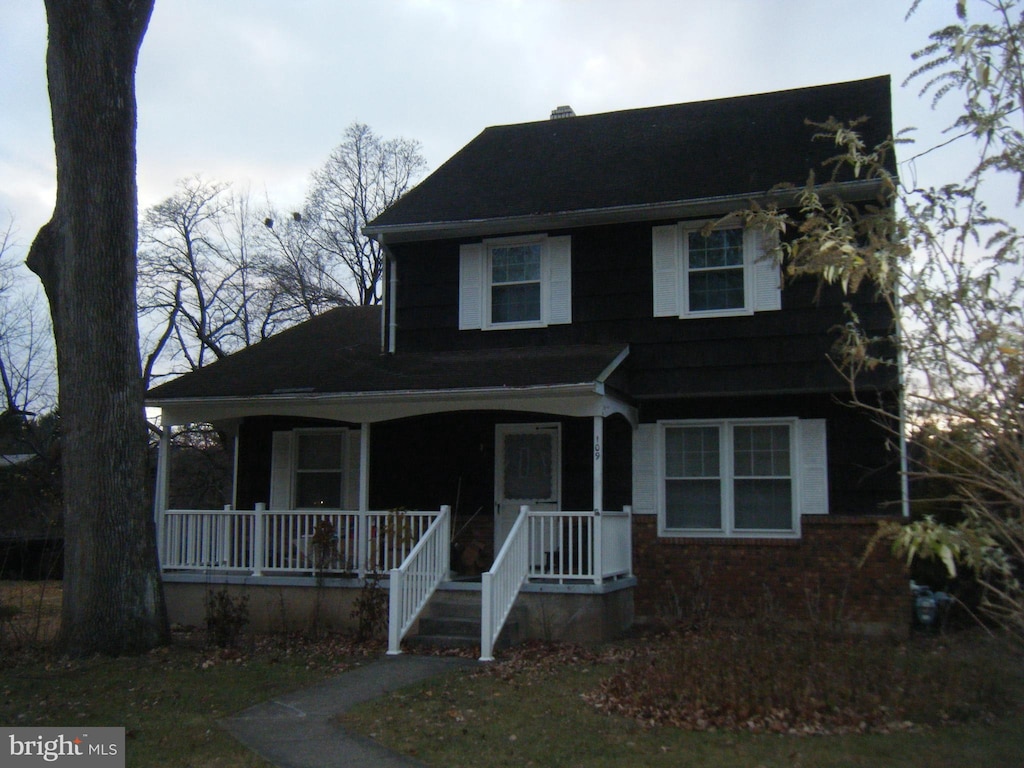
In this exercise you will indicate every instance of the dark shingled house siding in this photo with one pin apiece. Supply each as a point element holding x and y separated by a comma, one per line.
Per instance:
<point>780,351</point>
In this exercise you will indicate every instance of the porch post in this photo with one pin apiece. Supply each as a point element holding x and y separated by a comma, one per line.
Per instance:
<point>362,521</point>
<point>259,522</point>
<point>598,463</point>
<point>597,542</point>
<point>364,467</point>
<point>163,468</point>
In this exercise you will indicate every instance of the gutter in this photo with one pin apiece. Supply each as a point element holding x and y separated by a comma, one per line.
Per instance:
<point>677,209</point>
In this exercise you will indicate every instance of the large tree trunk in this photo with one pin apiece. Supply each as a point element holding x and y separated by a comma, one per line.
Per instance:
<point>85,257</point>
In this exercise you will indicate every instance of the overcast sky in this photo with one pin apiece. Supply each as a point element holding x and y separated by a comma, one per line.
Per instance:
<point>257,92</point>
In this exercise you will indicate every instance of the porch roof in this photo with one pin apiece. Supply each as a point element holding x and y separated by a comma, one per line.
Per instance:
<point>332,367</point>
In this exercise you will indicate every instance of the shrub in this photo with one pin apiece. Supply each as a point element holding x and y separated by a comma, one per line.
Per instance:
<point>370,609</point>
<point>766,680</point>
<point>226,617</point>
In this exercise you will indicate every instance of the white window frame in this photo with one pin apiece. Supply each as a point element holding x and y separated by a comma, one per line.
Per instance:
<point>671,273</point>
<point>726,429</point>
<point>685,271</point>
<point>343,469</point>
<point>488,282</point>
<point>475,282</point>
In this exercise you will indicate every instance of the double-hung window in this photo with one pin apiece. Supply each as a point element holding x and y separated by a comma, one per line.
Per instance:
<point>314,467</point>
<point>319,469</point>
<point>515,282</point>
<point>715,271</point>
<point>720,272</point>
<point>740,478</point>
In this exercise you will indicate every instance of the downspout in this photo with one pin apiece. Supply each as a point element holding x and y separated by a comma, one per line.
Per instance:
<point>389,317</point>
<point>393,304</point>
<point>162,495</point>
<point>901,394</point>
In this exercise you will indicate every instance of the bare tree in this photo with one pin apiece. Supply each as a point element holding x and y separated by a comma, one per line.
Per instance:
<point>362,176</point>
<point>85,256</point>
<point>27,365</point>
<point>299,274</point>
<point>952,270</point>
<point>202,294</point>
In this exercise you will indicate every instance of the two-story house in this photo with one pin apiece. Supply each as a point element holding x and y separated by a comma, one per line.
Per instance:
<point>568,364</point>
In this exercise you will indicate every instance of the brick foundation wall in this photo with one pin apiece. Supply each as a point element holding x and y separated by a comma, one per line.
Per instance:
<point>814,578</point>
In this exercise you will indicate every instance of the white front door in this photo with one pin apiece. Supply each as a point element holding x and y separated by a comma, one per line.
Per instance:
<point>528,462</point>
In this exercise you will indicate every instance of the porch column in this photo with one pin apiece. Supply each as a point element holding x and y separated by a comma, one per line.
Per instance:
<point>363,524</point>
<point>163,469</point>
<point>598,463</point>
<point>364,467</point>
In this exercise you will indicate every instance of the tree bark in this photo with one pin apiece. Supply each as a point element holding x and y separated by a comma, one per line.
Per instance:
<point>86,259</point>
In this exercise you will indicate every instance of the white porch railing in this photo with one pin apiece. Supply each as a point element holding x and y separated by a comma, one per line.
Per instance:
<point>281,542</point>
<point>502,583</point>
<point>580,546</point>
<point>560,547</point>
<point>414,581</point>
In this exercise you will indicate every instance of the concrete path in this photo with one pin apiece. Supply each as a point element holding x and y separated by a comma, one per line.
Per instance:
<point>296,730</point>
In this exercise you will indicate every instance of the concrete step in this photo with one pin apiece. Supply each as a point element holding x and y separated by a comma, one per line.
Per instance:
<point>444,607</point>
<point>449,625</point>
<point>452,620</point>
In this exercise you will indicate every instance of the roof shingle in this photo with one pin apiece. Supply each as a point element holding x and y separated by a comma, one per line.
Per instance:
<point>699,150</point>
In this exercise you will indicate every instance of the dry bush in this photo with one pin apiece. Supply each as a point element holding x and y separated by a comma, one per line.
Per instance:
<point>763,679</point>
<point>29,614</point>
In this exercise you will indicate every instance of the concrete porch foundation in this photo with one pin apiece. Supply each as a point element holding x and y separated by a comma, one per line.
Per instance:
<point>556,612</point>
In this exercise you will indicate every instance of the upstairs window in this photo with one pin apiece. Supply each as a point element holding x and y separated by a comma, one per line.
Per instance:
<point>523,282</point>
<point>515,283</point>
<point>722,272</point>
<point>715,270</point>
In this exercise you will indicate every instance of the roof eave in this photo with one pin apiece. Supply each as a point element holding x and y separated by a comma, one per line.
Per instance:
<point>580,399</point>
<point>861,189</point>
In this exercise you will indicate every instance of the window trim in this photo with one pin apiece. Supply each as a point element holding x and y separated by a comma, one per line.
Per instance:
<point>728,477</point>
<point>762,291</point>
<point>488,282</point>
<point>685,229</point>
<point>475,269</point>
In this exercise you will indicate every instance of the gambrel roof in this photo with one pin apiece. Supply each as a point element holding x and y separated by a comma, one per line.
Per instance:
<point>621,162</point>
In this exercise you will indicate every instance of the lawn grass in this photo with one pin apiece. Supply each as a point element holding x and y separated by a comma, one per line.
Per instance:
<point>535,715</point>
<point>169,700</point>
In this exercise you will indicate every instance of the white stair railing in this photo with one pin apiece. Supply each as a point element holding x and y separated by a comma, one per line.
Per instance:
<point>502,583</point>
<point>414,581</point>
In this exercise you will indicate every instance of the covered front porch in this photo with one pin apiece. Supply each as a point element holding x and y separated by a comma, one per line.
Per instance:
<point>499,492</point>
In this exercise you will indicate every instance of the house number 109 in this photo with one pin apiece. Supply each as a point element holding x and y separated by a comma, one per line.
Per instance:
<point>597,449</point>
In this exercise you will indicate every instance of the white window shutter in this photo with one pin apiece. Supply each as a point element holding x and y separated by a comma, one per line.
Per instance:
<point>471,286</point>
<point>281,471</point>
<point>665,259</point>
<point>813,466</point>
<point>560,280</point>
<point>645,470</point>
<point>767,277</point>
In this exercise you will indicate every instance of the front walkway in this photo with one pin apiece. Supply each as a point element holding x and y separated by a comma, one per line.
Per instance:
<point>297,730</point>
